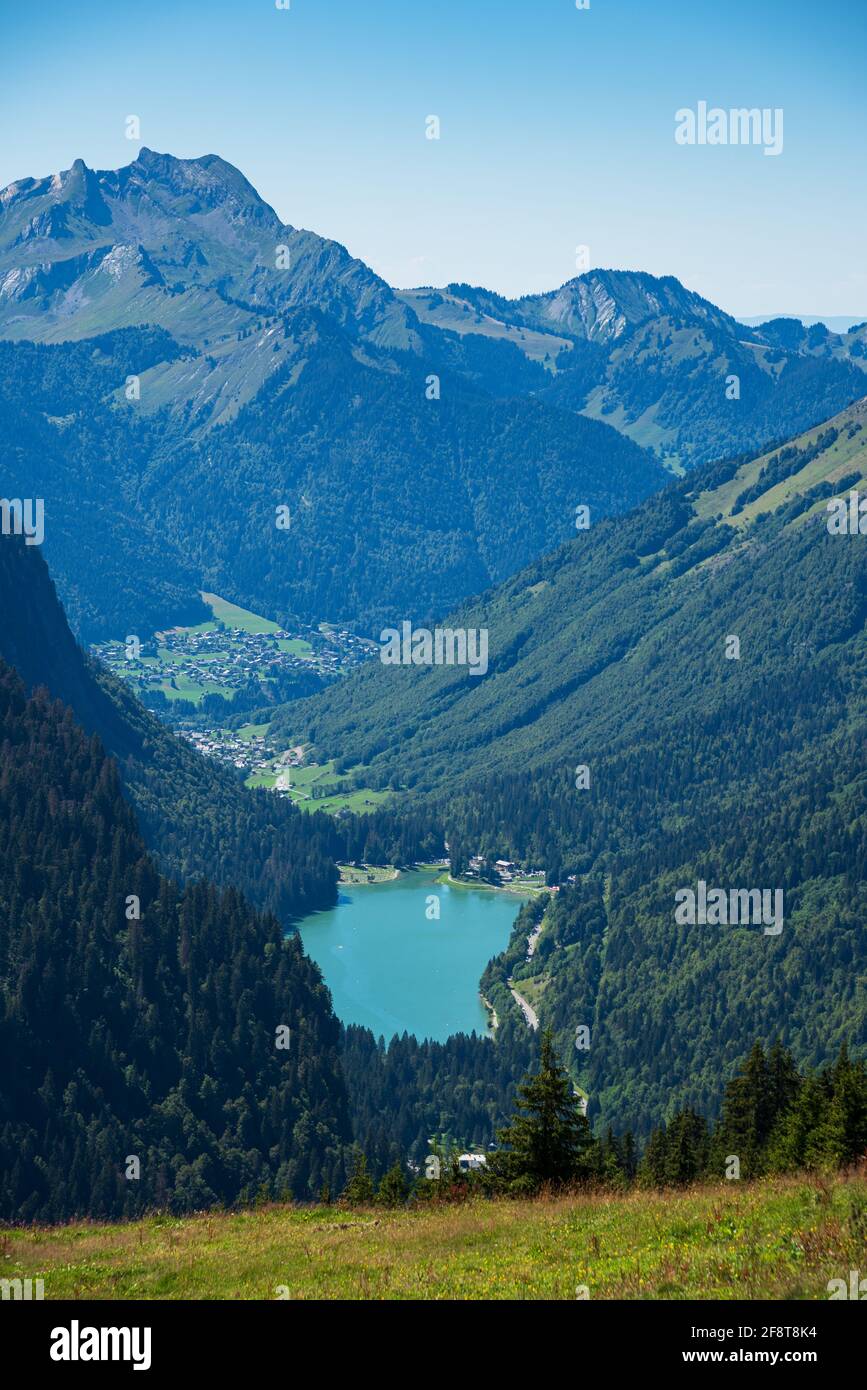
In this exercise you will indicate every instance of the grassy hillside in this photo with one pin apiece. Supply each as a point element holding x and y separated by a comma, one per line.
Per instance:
<point>834,450</point>
<point>780,1239</point>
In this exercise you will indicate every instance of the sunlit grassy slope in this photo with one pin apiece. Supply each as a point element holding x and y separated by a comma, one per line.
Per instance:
<point>844,457</point>
<point>778,1239</point>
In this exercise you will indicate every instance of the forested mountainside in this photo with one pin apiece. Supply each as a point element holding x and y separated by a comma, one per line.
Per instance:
<point>742,771</point>
<point>616,631</point>
<point>661,364</point>
<point>69,444</point>
<point>399,503</point>
<point>140,1021</point>
<point>197,819</point>
<point>140,513</point>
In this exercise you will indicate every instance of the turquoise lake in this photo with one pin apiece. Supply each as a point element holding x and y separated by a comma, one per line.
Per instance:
<point>391,969</point>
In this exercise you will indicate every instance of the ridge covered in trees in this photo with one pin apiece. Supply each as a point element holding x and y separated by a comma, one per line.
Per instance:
<point>165,1046</point>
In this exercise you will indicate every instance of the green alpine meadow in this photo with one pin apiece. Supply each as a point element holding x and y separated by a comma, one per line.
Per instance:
<point>787,1239</point>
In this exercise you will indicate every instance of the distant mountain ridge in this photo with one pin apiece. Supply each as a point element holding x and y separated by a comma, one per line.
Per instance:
<point>181,226</point>
<point>602,305</point>
<point>837,323</point>
<point>190,246</point>
<point>176,364</point>
<point>663,365</point>
<point>167,386</point>
<point>183,244</point>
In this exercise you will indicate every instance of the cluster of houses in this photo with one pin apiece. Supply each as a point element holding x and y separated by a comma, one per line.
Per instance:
<point>226,657</point>
<point>336,649</point>
<point>251,755</point>
<point>231,658</point>
<point>507,870</point>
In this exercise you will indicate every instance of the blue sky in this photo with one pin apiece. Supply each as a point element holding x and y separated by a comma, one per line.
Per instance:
<point>557,129</point>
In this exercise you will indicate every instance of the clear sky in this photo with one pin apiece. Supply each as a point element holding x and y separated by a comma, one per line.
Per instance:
<point>557,129</point>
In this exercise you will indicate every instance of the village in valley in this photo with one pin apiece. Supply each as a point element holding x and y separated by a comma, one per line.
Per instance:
<point>187,664</point>
<point>203,679</point>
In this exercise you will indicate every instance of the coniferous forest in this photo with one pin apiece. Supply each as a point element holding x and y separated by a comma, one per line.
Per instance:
<point>142,1022</point>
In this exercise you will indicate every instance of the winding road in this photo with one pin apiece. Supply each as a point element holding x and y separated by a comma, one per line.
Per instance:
<point>529,1013</point>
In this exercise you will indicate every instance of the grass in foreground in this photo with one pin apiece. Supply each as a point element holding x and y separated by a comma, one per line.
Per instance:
<point>778,1239</point>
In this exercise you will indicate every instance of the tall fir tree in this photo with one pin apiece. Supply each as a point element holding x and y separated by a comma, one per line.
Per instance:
<point>359,1190</point>
<point>549,1139</point>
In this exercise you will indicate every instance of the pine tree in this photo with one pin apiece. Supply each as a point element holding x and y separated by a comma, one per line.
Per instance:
<point>549,1139</point>
<point>784,1080</point>
<point>687,1147</point>
<point>359,1191</point>
<point>393,1188</point>
<point>793,1144</point>
<point>630,1156</point>
<point>653,1168</point>
<point>745,1122</point>
<point>844,1133</point>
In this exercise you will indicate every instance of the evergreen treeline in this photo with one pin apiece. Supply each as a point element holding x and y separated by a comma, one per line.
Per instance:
<point>773,1119</point>
<point>139,1021</point>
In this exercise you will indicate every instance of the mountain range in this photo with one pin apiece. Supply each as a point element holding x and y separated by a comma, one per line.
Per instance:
<point>177,364</point>
<point>663,365</point>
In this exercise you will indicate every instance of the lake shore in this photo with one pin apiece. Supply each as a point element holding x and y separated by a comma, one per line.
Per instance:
<point>360,875</point>
<point>357,877</point>
<point>493,1021</point>
<point>518,889</point>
